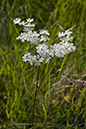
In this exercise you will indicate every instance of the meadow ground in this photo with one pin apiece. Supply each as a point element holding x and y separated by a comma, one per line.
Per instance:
<point>60,102</point>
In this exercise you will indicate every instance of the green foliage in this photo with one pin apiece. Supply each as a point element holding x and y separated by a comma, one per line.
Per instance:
<point>61,98</point>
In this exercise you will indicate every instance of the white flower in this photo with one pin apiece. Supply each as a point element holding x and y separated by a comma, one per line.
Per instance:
<point>65,36</point>
<point>71,48</point>
<point>17,21</point>
<point>41,59</point>
<point>30,20</point>
<point>33,37</point>
<point>27,57</point>
<point>44,32</point>
<point>28,35</point>
<point>22,37</point>
<point>35,60</point>
<point>42,50</point>
<point>29,25</point>
<point>67,32</point>
<point>44,38</point>
<point>59,50</point>
<point>22,23</point>
<point>63,48</point>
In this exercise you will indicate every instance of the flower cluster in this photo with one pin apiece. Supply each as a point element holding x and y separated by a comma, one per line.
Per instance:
<point>44,51</point>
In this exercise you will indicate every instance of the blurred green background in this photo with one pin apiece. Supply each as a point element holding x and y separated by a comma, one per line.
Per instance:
<point>63,91</point>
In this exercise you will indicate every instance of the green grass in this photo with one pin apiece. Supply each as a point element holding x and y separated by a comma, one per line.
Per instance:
<point>18,80</point>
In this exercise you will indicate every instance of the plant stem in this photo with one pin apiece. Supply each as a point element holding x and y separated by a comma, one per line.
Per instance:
<point>35,97</point>
<point>45,75</point>
<point>37,88</point>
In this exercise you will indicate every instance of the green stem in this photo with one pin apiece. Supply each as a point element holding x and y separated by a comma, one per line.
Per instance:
<point>37,88</point>
<point>35,96</point>
<point>45,75</point>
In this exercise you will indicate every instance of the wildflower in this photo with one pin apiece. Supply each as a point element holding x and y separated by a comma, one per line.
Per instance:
<point>29,25</point>
<point>36,59</point>
<point>59,50</point>
<point>33,37</point>
<point>44,32</point>
<point>22,37</point>
<point>44,51</point>
<point>22,23</point>
<point>65,36</point>
<point>30,20</point>
<point>44,38</point>
<point>17,20</point>
<point>27,57</point>
<point>67,98</point>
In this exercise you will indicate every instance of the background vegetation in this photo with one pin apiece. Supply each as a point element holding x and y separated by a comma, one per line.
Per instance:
<point>61,99</point>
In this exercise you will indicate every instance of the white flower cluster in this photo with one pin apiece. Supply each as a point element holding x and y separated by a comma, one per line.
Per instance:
<point>28,33</point>
<point>44,51</point>
<point>36,60</point>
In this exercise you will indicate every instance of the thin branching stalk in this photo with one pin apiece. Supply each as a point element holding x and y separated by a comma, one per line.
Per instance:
<point>35,96</point>
<point>45,75</point>
<point>37,88</point>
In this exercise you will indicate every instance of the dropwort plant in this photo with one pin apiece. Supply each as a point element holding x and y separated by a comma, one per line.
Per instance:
<point>44,51</point>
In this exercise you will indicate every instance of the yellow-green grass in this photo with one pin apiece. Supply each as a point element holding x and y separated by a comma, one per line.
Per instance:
<point>61,99</point>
